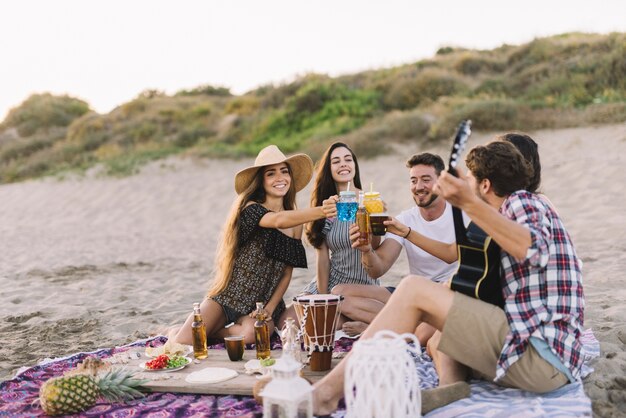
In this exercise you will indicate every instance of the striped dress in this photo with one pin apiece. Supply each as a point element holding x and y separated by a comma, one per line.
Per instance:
<point>345,261</point>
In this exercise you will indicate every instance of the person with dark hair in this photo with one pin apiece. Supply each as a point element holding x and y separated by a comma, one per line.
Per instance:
<point>337,262</point>
<point>534,342</point>
<point>432,217</point>
<point>530,150</point>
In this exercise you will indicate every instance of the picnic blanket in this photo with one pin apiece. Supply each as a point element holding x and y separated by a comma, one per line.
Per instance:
<point>18,395</point>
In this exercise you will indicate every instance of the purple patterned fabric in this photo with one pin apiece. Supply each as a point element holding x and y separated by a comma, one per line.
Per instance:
<point>18,396</point>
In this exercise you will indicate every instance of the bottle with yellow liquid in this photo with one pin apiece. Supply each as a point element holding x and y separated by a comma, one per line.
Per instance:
<point>261,333</point>
<point>363,221</point>
<point>198,334</point>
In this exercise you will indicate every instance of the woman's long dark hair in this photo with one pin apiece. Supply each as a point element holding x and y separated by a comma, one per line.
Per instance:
<point>325,187</point>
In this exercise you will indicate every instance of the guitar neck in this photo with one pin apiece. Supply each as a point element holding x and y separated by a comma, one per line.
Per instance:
<point>460,232</point>
<point>460,139</point>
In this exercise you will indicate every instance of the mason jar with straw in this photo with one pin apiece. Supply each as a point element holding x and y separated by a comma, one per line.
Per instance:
<point>347,205</point>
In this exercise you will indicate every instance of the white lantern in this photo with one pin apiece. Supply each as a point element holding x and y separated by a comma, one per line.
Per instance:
<point>287,395</point>
<point>381,379</point>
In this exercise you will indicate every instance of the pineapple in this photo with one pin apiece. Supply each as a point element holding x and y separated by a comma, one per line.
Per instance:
<point>68,394</point>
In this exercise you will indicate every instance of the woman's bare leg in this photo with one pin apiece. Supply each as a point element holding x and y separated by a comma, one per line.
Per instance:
<point>360,305</point>
<point>449,370</point>
<point>359,313</point>
<point>423,332</point>
<point>361,309</point>
<point>416,300</point>
<point>378,293</point>
<point>212,316</point>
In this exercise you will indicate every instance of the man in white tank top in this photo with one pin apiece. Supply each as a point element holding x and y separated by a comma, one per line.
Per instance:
<point>431,217</point>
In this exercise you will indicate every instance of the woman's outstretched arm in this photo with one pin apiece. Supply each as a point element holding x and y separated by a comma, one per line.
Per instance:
<point>291,218</point>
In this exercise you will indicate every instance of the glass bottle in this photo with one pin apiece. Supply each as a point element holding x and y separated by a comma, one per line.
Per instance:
<point>198,334</point>
<point>261,333</point>
<point>362,220</point>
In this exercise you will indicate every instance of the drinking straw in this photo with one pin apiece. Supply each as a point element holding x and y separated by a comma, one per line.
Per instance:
<point>372,187</point>
<point>348,187</point>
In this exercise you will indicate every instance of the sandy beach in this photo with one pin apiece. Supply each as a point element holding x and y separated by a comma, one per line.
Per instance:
<point>95,262</point>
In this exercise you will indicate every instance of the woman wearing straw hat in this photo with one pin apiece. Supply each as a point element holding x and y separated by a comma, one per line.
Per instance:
<point>260,245</point>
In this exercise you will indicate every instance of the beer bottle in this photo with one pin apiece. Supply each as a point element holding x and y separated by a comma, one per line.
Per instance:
<point>261,333</point>
<point>198,334</point>
<point>362,220</point>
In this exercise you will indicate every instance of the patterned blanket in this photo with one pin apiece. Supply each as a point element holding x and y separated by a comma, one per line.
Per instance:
<point>18,395</point>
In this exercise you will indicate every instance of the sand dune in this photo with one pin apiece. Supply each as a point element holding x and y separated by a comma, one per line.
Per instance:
<point>94,262</point>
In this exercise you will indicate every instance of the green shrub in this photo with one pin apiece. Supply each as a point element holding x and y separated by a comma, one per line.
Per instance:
<point>613,72</point>
<point>407,125</point>
<point>472,64</point>
<point>428,85</point>
<point>24,147</point>
<point>537,51</point>
<point>275,97</point>
<point>191,135</point>
<point>445,50</point>
<point>44,111</point>
<point>317,109</point>
<point>486,115</point>
<point>494,86</point>
<point>244,105</point>
<point>205,90</point>
<point>200,111</point>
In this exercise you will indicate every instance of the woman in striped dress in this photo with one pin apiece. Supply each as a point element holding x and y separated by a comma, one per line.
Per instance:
<point>337,262</point>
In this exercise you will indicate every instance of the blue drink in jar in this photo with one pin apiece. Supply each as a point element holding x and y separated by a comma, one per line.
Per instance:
<point>347,206</point>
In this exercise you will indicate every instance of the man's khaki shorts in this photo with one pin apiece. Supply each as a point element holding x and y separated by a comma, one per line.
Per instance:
<point>474,335</point>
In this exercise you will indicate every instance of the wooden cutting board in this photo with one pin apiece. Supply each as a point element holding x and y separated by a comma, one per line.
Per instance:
<point>240,385</point>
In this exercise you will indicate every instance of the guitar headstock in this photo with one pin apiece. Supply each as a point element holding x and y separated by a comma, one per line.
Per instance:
<point>460,139</point>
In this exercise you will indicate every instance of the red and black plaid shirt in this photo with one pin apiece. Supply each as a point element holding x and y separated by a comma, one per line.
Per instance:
<point>543,292</point>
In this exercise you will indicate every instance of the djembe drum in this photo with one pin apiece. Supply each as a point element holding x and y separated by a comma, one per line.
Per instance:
<point>317,315</point>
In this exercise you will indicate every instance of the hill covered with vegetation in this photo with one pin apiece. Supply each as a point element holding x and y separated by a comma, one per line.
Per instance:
<point>561,81</point>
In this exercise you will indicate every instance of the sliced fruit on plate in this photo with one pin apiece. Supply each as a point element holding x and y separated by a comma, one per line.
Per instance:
<point>163,362</point>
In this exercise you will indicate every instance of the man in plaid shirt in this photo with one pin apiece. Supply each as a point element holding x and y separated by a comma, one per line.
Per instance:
<point>533,344</point>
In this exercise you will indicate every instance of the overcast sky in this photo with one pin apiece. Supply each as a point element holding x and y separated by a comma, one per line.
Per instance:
<point>106,52</point>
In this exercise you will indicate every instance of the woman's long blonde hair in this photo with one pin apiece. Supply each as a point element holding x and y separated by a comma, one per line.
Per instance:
<point>227,249</point>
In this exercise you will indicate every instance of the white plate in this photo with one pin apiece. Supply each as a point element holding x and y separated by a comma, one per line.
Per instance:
<point>254,366</point>
<point>211,375</point>
<point>143,367</point>
<point>188,350</point>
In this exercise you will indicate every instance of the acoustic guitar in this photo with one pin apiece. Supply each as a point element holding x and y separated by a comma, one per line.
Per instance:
<point>478,274</point>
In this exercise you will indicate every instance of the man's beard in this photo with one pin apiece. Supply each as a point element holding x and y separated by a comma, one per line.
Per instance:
<point>429,202</point>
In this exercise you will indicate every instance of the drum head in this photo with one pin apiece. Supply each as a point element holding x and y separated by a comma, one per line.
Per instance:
<point>317,299</point>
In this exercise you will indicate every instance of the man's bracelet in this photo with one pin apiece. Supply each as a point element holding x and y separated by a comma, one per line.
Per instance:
<point>407,234</point>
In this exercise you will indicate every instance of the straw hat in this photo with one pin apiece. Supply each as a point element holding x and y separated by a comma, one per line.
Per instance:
<point>301,168</point>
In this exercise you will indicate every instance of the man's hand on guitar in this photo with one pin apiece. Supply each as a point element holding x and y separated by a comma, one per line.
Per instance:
<point>456,190</point>
<point>354,237</point>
